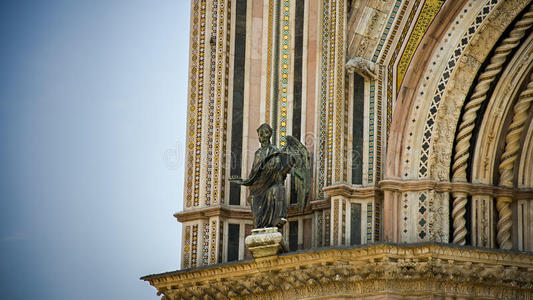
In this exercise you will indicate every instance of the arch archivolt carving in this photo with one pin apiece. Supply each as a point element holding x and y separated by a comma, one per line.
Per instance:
<point>461,80</point>
<point>414,130</point>
<point>487,150</point>
<point>507,169</point>
<point>492,127</point>
<point>437,100</point>
<point>433,115</point>
<point>497,132</point>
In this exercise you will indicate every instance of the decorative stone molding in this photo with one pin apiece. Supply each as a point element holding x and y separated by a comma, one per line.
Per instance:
<point>407,271</point>
<point>225,211</point>
<point>352,192</point>
<point>402,186</point>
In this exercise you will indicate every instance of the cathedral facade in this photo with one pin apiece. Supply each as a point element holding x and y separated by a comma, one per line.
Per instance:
<point>418,118</point>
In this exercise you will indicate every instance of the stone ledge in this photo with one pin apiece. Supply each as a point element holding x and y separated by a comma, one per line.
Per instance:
<point>407,270</point>
<point>226,211</point>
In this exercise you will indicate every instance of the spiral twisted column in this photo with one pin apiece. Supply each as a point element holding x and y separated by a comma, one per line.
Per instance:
<point>466,127</point>
<point>458,216</point>
<point>506,167</point>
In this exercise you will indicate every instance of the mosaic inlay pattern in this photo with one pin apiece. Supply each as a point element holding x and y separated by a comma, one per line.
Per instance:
<point>331,91</point>
<point>221,99</point>
<point>327,227</point>
<point>369,222</point>
<point>187,247</point>
<point>223,156</point>
<point>323,97</point>
<point>379,133</point>
<point>205,244</point>
<point>319,228</point>
<point>347,110</point>
<point>377,221</point>
<point>381,88</point>
<point>211,99</point>
<point>424,87</point>
<point>194,246</point>
<point>269,61</point>
<point>443,81</point>
<point>220,240</point>
<point>275,85</point>
<point>425,18</point>
<point>284,84</point>
<point>386,32</point>
<point>213,242</point>
<point>422,221</point>
<point>394,56</point>
<point>372,101</point>
<point>371,134</point>
<point>404,216</point>
<point>340,101</point>
<point>343,229</point>
<point>332,98</point>
<point>336,222</point>
<point>195,104</point>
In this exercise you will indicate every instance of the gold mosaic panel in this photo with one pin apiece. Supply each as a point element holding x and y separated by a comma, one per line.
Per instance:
<point>427,14</point>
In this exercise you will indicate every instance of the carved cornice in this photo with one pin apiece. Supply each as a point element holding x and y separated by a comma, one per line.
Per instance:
<point>462,187</point>
<point>224,211</point>
<point>238,212</point>
<point>320,204</point>
<point>352,192</point>
<point>408,270</point>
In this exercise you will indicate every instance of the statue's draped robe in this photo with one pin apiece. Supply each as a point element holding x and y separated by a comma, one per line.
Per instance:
<point>267,189</point>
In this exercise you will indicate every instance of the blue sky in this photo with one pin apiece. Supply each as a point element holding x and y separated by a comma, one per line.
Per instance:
<point>92,127</point>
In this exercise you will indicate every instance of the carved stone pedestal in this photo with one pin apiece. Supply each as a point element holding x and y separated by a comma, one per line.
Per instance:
<point>265,242</point>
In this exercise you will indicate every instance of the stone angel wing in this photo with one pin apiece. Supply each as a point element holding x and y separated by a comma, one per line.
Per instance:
<point>300,169</point>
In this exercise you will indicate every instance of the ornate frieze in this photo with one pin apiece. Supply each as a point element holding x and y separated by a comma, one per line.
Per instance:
<point>419,270</point>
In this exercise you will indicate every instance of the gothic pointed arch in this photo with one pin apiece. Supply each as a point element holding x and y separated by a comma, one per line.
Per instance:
<point>435,143</point>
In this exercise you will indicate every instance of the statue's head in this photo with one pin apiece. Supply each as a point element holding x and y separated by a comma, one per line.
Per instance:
<point>265,133</point>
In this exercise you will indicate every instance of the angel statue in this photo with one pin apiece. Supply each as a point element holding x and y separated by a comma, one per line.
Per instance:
<point>267,178</point>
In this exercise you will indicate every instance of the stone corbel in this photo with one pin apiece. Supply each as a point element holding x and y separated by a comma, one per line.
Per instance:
<point>362,66</point>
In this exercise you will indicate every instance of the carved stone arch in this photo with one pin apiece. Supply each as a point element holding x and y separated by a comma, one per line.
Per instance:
<point>495,160</point>
<point>415,97</point>
<point>426,53</point>
<point>506,76</point>
<point>498,114</point>
<point>427,112</point>
<point>412,214</point>
<point>461,80</point>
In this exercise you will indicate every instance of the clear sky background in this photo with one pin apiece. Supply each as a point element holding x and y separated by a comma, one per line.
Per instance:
<point>92,131</point>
